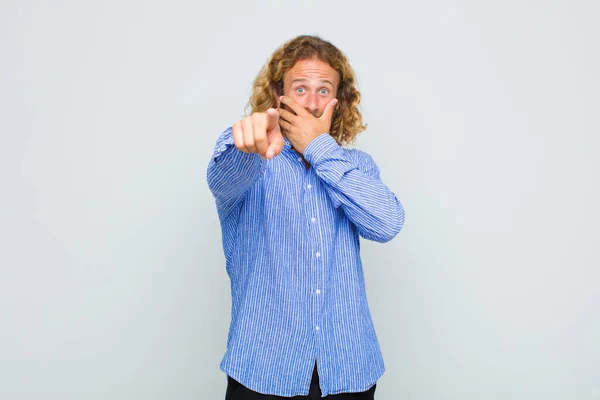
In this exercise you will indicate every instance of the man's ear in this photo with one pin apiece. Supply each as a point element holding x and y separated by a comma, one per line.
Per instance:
<point>277,92</point>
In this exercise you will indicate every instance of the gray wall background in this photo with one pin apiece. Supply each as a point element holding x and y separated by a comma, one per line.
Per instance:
<point>483,117</point>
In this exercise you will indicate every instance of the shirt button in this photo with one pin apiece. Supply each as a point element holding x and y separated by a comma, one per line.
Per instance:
<point>318,291</point>
<point>313,219</point>
<point>299,158</point>
<point>318,254</point>
<point>317,329</point>
<point>309,186</point>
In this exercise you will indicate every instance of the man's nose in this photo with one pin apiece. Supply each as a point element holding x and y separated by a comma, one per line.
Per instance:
<point>312,103</point>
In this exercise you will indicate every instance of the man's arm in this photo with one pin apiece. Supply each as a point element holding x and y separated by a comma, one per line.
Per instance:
<point>231,173</point>
<point>356,187</point>
<point>353,185</point>
<point>239,157</point>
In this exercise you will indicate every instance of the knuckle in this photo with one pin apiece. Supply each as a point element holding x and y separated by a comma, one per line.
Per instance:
<point>244,125</point>
<point>259,117</point>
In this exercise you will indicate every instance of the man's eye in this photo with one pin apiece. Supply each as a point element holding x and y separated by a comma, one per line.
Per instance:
<point>324,91</point>
<point>300,90</point>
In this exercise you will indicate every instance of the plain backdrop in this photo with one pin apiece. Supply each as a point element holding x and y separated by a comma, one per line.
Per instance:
<point>483,117</point>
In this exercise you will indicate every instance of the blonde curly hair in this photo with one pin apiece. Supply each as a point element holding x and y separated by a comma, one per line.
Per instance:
<point>346,122</point>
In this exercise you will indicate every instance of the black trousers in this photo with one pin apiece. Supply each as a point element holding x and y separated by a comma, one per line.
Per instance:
<point>237,391</point>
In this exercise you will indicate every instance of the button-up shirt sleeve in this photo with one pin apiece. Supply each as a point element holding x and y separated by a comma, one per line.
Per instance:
<point>231,173</point>
<point>353,183</point>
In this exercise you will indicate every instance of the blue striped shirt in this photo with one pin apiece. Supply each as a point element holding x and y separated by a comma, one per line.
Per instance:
<point>291,243</point>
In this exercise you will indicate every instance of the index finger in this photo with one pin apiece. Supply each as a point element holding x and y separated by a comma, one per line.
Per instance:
<point>297,108</point>
<point>286,115</point>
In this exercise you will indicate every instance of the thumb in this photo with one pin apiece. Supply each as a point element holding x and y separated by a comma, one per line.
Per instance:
<point>272,119</point>
<point>329,108</point>
<point>275,145</point>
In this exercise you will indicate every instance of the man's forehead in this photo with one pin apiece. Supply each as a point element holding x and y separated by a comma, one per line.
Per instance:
<point>312,69</point>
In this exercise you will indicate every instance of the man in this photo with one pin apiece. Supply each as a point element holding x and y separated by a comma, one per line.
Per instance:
<point>292,204</point>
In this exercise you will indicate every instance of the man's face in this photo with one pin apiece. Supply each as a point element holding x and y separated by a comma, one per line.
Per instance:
<point>312,83</point>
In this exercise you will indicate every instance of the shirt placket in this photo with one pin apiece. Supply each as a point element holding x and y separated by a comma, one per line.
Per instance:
<point>316,253</point>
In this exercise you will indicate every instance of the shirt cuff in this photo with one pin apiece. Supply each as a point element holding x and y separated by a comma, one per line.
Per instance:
<point>224,141</point>
<point>320,147</point>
